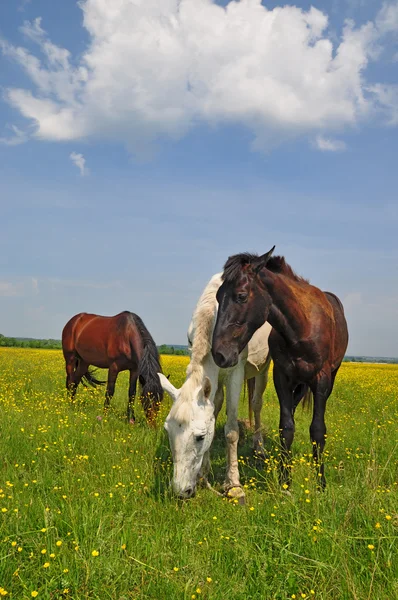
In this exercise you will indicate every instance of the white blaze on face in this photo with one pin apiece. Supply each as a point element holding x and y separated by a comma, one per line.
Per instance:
<point>190,426</point>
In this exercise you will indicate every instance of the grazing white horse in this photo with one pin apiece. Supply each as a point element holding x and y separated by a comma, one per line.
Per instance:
<point>191,421</point>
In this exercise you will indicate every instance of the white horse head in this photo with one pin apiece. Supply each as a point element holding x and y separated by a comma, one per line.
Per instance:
<point>190,427</point>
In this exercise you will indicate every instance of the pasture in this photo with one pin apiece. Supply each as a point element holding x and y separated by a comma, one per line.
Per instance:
<point>86,512</point>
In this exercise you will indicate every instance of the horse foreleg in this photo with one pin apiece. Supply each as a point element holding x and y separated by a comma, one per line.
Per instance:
<point>132,393</point>
<point>232,483</point>
<point>70,365</point>
<point>286,424</point>
<point>321,389</point>
<point>110,386</point>
<point>218,402</point>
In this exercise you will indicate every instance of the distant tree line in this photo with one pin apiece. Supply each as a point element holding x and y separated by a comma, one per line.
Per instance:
<point>16,342</point>
<point>12,342</point>
<point>177,351</point>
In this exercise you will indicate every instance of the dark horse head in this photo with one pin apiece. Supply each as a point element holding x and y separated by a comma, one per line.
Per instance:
<point>244,304</point>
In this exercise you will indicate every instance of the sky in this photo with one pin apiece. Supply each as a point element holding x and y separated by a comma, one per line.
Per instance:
<point>142,142</point>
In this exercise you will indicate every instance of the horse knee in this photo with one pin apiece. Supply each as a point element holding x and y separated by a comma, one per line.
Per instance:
<point>318,432</point>
<point>232,436</point>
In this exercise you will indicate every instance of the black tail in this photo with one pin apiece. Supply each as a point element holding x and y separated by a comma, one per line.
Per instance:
<point>303,393</point>
<point>148,368</point>
<point>89,379</point>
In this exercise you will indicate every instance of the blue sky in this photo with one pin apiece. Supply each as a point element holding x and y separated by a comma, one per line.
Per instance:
<point>171,137</point>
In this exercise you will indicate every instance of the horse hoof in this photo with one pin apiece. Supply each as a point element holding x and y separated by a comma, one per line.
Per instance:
<point>287,493</point>
<point>236,493</point>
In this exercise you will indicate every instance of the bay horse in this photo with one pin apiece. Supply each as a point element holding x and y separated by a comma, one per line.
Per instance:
<point>307,343</point>
<point>118,343</point>
<point>190,423</point>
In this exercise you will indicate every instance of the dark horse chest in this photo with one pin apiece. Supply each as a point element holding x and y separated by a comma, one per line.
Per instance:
<point>300,360</point>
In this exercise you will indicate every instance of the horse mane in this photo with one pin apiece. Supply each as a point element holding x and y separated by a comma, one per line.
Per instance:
<point>203,319</point>
<point>276,264</point>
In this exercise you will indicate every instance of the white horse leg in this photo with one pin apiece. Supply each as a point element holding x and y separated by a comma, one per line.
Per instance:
<point>234,385</point>
<point>260,385</point>
<point>218,402</point>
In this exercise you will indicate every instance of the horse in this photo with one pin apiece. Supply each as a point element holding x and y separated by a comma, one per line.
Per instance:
<point>117,343</point>
<point>307,343</point>
<point>190,423</point>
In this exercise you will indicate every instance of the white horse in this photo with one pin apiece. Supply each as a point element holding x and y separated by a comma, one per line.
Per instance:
<point>191,421</point>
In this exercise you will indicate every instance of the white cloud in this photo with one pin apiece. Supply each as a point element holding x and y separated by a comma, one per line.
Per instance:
<point>80,162</point>
<point>387,98</point>
<point>329,145</point>
<point>19,137</point>
<point>155,68</point>
<point>387,19</point>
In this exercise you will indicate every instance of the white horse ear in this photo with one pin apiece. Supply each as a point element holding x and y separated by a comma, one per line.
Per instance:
<point>168,387</point>
<point>207,388</point>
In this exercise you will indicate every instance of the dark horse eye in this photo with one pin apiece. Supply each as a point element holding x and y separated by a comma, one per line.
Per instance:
<point>199,438</point>
<point>242,298</point>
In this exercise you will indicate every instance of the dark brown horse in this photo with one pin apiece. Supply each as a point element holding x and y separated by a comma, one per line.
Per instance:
<point>307,343</point>
<point>118,343</point>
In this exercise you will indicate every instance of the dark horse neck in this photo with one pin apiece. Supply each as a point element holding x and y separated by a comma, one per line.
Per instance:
<point>286,314</point>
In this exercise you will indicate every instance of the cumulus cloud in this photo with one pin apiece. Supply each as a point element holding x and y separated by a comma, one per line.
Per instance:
<point>155,68</point>
<point>328,144</point>
<point>79,161</point>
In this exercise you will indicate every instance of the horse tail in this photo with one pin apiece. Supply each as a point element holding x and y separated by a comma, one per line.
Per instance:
<point>148,368</point>
<point>250,393</point>
<point>308,399</point>
<point>89,379</point>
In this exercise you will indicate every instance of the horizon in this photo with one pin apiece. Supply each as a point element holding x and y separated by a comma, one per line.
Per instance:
<point>139,148</point>
<point>185,347</point>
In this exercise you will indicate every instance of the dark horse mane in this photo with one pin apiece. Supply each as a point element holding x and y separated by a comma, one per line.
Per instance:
<point>276,264</point>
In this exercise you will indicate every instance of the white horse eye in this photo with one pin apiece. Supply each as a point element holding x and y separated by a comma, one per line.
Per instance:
<point>199,438</point>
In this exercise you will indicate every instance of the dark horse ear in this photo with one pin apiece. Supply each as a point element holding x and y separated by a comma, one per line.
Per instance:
<point>261,262</point>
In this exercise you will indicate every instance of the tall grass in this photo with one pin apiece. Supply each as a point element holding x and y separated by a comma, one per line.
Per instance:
<point>86,511</point>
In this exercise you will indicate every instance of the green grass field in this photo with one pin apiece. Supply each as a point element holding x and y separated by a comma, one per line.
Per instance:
<point>86,511</point>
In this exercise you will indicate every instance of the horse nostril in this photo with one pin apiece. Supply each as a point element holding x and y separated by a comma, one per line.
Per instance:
<point>188,492</point>
<point>219,359</point>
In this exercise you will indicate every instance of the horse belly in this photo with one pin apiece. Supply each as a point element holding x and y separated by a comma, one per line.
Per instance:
<point>93,354</point>
<point>258,351</point>
<point>92,345</point>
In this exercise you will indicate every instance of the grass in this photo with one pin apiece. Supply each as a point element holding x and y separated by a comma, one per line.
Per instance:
<point>86,511</point>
